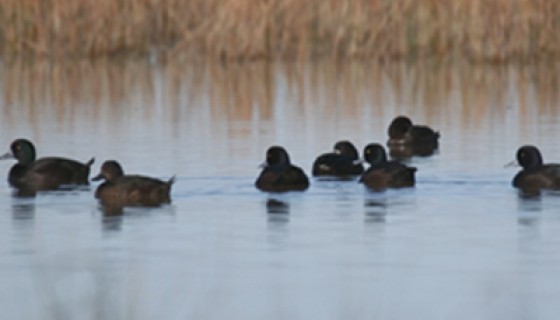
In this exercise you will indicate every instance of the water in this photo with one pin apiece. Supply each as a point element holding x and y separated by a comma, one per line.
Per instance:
<point>462,244</point>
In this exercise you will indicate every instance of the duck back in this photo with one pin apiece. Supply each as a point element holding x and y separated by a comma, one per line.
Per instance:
<point>49,173</point>
<point>135,190</point>
<point>291,178</point>
<point>331,164</point>
<point>423,135</point>
<point>541,177</point>
<point>391,174</point>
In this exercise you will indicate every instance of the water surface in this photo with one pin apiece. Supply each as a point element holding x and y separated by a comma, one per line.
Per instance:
<point>462,244</point>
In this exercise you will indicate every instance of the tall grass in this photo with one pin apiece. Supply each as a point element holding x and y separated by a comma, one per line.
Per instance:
<point>494,30</point>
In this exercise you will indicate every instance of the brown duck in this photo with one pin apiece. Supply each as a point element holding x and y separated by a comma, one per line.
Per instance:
<point>130,190</point>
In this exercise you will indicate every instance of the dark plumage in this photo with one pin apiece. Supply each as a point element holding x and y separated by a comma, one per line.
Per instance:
<point>45,173</point>
<point>130,190</point>
<point>403,133</point>
<point>279,175</point>
<point>342,162</point>
<point>535,175</point>
<point>384,174</point>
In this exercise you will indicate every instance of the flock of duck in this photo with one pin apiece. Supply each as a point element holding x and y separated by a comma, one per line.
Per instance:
<point>30,175</point>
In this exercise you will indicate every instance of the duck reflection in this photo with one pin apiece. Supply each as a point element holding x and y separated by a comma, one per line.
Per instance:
<point>110,210</point>
<point>23,211</point>
<point>112,216</point>
<point>24,193</point>
<point>375,209</point>
<point>529,202</point>
<point>529,195</point>
<point>114,213</point>
<point>277,210</point>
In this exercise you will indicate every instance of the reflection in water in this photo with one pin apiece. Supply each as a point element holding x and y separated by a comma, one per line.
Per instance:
<point>278,217</point>
<point>112,217</point>
<point>375,208</point>
<point>112,223</point>
<point>111,210</point>
<point>529,204</point>
<point>241,91</point>
<point>274,206</point>
<point>23,211</point>
<point>529,197</point>
<point>277,210</point>
<point>24,193</point>
<point>215,121</point>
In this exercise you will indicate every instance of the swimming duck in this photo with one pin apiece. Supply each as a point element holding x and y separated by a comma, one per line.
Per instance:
<point>535,175</point>
<point>45,173</point>
<point>130,190</point>
<point>403,133</point>
<point>384,174</point>
<point>341,162</point>
<point>279,175</point>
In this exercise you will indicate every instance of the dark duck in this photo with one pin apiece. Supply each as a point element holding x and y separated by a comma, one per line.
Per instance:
<point>279,175</point>
<point>49,173</point>
<point>342,162</point>
<point>535,175</point>
<point>383,174</point>
<point>407,139</point>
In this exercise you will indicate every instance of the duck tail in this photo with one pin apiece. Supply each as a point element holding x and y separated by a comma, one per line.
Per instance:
<point>90,162</point>
<point>171,181</point>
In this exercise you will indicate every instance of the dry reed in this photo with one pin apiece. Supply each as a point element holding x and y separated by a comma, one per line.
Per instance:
<point>487,30</point>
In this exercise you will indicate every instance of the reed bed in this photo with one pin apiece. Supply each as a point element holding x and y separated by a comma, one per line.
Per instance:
<point>479,30</point>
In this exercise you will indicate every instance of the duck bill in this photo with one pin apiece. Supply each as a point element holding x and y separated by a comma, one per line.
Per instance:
<point>263,165</point>
<point>98,177</point>
<point>7,155</point>
<point>513,163</point>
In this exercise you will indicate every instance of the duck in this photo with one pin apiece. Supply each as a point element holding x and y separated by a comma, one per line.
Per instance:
<point>49,173</point>
<point>403,133</point>
<point>342,162</point>
<point>383,174</point>
<point>119,189</point>
<point>535,175</point>
<point>279,175</point>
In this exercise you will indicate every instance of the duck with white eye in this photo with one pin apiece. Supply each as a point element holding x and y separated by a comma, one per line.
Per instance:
<point>535,175</point>
<point>383,174</point>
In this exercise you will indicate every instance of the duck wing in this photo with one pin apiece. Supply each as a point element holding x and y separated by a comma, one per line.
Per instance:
<point>49,173</point>
<point>423,134</point>
<point>335,164</point>
<point>294,179</point>
<point>142,190</point>
<point>391,174</point>
<point>542,177</point>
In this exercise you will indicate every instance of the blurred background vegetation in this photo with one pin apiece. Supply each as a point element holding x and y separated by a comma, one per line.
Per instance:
<point>473,30</point>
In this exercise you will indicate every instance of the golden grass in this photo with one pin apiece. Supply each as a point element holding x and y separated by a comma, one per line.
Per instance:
<point>488,30</point>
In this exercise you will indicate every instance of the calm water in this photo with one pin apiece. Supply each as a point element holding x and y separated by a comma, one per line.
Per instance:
<point>461,245</point>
